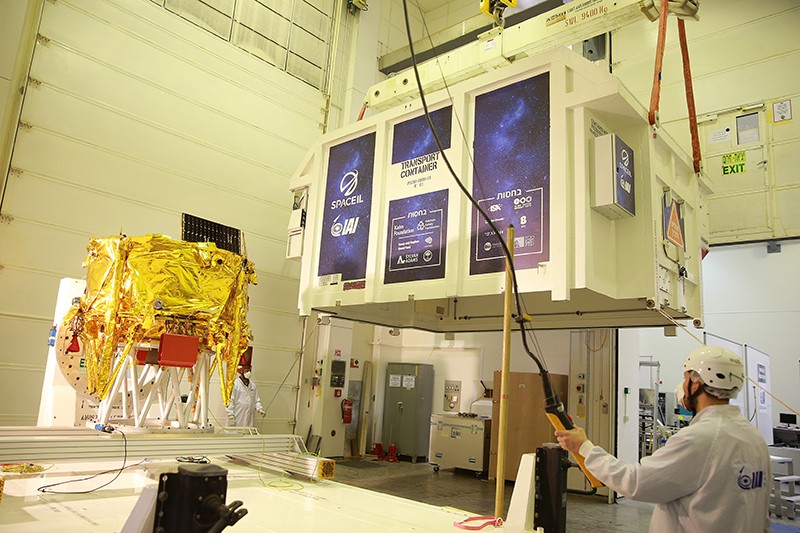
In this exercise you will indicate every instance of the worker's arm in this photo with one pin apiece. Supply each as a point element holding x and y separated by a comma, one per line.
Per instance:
<point>672,472</point>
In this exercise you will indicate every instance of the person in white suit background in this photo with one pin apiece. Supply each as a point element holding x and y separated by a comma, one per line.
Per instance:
<point>245,401</point>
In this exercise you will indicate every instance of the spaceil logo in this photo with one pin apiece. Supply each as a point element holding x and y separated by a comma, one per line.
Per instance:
<point>626,158</point>
<point>347,186</point>
<point>754,480</point>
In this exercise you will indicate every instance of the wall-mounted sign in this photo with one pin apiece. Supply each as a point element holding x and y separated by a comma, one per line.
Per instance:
<point>344,240</point>
<point>735,163</point>
<point>416,242</point>
<point>511,179</point>
<point>782,111</point>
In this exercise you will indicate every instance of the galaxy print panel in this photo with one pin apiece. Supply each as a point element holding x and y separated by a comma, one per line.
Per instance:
<point>345,223</point>
<point>416,243</point>
<point>413,138</point>
<point>511,179</point>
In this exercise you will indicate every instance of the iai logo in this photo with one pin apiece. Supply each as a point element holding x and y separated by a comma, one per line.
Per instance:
<point>347,227</point>
<point>349,183</point>
<point>754,480</point>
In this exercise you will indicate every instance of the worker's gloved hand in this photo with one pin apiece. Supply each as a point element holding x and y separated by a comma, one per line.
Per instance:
<point>571,439</point>
<point>231,420</point>
<point>262,412</point>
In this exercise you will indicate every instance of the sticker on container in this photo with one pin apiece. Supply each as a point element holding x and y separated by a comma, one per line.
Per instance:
<point>330,279</point>
<point>409,381</point>
<point>395,380</point>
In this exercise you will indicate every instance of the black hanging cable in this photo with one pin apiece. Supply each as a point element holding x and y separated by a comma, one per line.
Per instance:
<point>520,318</point>
<point>524,312</point>
<point>46,488</point>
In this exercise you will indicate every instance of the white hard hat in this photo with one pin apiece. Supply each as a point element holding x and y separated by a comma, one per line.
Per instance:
<point>719,367</point>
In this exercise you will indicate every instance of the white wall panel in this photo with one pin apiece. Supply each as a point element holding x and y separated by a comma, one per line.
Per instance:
<point>741,52</point>
<point>314,21</point>
<point>326,6</point>
<point>134,117</point>
<point>12,15</point>
<point>301,68</point>
<point>308,46</point>
<point>270,23</point>
<point>203,14</point>
<point>258,45</point>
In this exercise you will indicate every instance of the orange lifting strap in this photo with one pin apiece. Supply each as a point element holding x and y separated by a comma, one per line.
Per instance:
<point>655,94</point>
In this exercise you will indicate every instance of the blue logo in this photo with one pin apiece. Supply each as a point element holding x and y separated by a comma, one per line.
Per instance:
<point>750,481</point>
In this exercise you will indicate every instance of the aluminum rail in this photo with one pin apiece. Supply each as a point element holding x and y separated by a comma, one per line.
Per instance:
<point>33,445</point>
<point>304,464</point>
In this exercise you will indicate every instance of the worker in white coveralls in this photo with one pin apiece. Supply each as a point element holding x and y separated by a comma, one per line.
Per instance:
<point>244,400</point>
<point>713,475</point>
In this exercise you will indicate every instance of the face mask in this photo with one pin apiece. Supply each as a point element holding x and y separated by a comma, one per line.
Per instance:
<point>247,374</point>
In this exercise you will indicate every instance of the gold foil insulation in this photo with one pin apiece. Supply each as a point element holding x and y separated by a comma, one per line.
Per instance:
<point>140,287</point>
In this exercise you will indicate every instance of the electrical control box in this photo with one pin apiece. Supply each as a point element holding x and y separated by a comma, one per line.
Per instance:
<point>338,369</point>
<point>613,184</point>
<point>452,396</point>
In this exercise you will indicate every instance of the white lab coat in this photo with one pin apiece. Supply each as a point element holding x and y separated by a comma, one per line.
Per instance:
<point>244,403</point>
<point>713,475</point>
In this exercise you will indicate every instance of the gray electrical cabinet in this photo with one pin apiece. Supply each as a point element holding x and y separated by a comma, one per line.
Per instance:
<point>407,408</point>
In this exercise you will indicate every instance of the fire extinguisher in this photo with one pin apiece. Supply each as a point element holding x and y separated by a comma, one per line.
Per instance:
<point>347,411</point>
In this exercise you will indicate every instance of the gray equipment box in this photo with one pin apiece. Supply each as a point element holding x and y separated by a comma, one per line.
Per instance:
<point>407,408</point>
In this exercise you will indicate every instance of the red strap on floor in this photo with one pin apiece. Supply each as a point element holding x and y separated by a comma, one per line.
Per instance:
<point>655,94</point>
<point>687,80</point>
<point>495,521</point>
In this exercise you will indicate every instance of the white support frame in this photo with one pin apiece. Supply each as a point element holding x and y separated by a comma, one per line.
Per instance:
<point>149,383</point>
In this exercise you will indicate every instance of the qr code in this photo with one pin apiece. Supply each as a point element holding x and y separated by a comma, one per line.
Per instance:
<point>524,242</point>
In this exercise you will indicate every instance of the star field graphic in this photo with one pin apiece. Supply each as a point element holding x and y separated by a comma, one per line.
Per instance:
<point>416,241</point>
<point>512,174</point>
<point>413,138</point>
<point>348,199</point>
